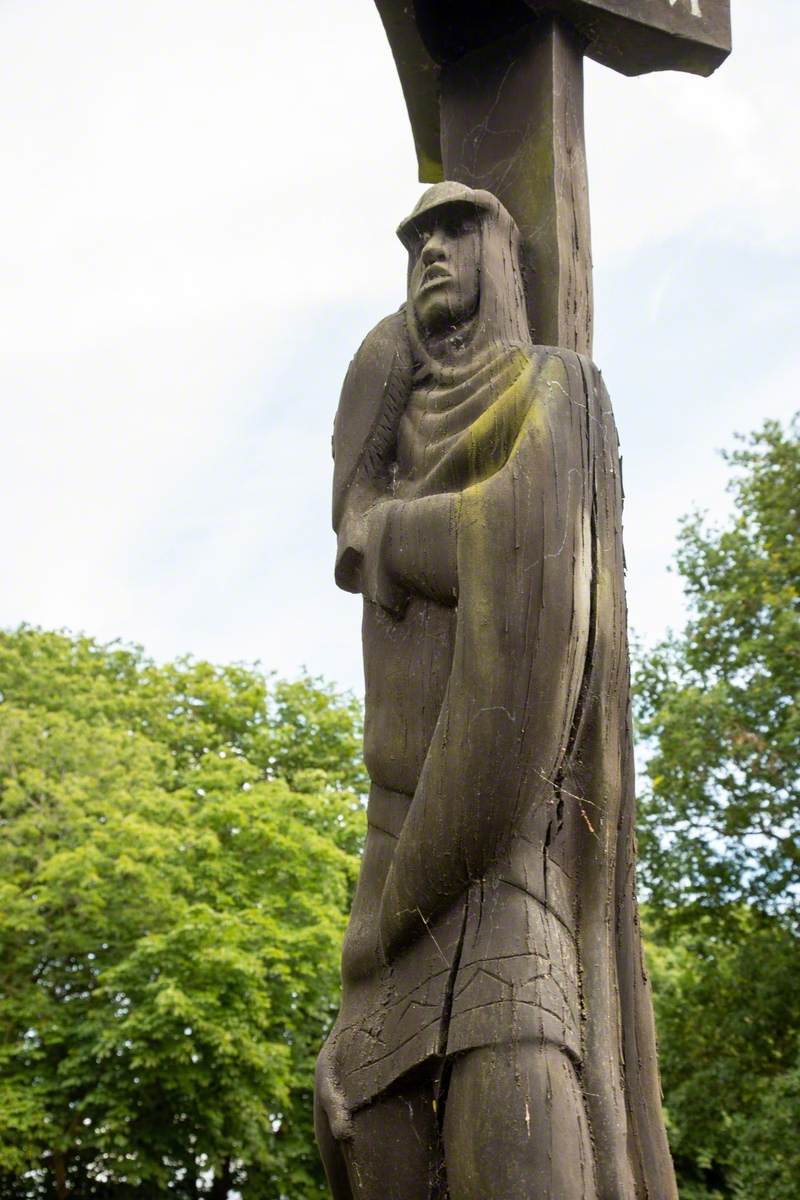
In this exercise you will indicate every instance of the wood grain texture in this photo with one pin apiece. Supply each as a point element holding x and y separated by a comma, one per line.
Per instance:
<point>512,123</point>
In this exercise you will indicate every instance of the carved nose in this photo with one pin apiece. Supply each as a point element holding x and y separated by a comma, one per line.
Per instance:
<point>433,250</point>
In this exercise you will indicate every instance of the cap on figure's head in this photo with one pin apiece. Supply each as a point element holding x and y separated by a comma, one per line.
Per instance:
<point>448,195</point>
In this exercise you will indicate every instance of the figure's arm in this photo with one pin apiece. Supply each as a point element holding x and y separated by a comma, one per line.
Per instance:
<point>389,549</point>
<point>412,547</point>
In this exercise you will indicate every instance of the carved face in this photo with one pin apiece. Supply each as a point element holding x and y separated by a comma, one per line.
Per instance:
<point>444,284</point>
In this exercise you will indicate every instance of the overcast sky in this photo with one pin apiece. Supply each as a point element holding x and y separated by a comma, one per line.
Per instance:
<point>197,214</point>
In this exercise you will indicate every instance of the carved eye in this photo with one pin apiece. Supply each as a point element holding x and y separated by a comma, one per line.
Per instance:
<point>458,224</point>
<point>420,237</point>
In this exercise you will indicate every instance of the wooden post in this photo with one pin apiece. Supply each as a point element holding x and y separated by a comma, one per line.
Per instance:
<point>511,119</point>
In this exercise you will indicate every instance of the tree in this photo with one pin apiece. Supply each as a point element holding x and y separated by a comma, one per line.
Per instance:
<point>179,848</point>
<point>719,826</point>
<point>728,1015</point>
<point>722,817</point>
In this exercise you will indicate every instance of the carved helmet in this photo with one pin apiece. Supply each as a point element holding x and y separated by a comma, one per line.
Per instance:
<point>444,195</point>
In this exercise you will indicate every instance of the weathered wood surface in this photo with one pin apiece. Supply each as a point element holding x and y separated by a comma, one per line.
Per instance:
<point>496,1035</point>
<point>638,36</point>
<point>512,122</point>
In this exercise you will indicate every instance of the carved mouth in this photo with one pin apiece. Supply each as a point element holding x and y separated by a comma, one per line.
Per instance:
<point>435,275</point>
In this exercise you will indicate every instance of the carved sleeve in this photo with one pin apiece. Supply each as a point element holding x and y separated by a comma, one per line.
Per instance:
<point>419,546</point>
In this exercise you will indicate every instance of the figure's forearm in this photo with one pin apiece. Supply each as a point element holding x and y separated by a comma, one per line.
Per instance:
<point>419,546</point>
<point>390,548</point>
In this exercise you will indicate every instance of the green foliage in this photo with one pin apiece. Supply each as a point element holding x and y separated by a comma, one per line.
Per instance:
<point>179,847</point>
<point>719,826</point>
<point>727,997</point>
<point>766,1157</point>
<point>721,821</point>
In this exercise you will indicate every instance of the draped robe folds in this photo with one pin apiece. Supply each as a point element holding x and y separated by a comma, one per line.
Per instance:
<point>496,899</point>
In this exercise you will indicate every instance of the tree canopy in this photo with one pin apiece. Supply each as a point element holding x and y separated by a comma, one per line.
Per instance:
<point>719,825</point>
<point>179,847</point>
<point>721,822</point>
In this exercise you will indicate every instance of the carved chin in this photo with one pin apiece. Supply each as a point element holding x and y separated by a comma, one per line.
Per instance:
<point>434,317</point>
<point>436,313</point>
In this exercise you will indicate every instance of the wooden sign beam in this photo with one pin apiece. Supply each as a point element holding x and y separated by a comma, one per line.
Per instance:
<point>639,36</point>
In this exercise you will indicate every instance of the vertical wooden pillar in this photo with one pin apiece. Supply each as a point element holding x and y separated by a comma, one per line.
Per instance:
<point>511,119</point>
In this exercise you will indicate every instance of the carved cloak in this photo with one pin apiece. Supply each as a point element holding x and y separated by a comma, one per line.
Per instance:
<point>505,887</point>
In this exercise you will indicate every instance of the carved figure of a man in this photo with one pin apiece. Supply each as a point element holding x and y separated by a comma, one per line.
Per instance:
<point>495,1040</point>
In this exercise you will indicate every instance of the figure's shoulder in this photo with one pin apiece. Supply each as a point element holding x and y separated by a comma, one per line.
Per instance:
<point>554,358</point>
<point>382,346</point>
<point>373,395</point>
<point>383,355</point>
<point>576,372</point>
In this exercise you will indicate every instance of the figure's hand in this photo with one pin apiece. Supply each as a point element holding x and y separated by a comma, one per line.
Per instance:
<point>379,584</point>
<point>330,1096</point>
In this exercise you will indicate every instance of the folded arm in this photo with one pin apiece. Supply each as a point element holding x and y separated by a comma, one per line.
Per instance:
<point>391,549</point>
